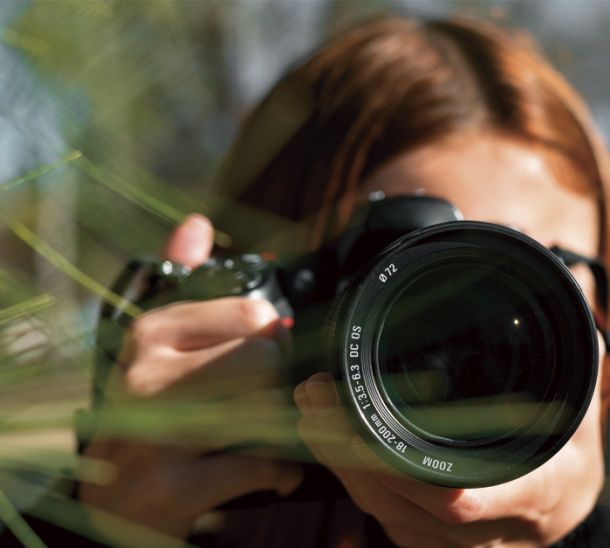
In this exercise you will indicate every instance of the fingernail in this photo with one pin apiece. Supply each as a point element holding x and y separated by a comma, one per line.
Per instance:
<point>320,391</point>
<point>287,322</point>
<point>194,222</point>
<point>190,242</point>
<point>264,315</point>
<point>300,397</point>
<point>322,376</point>
<point>282,337</point>
<point>300,390</point>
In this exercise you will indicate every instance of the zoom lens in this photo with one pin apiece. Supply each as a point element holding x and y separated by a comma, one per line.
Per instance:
<point>467,353</point>
<point>481,340</point>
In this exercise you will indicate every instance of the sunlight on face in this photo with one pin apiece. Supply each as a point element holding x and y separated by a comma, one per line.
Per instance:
<point>500,179</point>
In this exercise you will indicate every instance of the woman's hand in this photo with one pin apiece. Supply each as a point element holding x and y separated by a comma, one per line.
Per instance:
<point>534,510</point>
<point>221,355</point>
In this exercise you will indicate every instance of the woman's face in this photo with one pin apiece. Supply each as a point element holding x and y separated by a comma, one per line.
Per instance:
<point>500,179</point>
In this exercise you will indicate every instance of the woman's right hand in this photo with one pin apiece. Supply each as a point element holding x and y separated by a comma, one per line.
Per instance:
<point>224,350</point>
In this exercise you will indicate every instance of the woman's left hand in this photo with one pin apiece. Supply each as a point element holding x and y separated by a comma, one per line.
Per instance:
<point>534,510</point>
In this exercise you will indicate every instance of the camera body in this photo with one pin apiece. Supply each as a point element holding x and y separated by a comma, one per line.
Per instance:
<point>465,352</point>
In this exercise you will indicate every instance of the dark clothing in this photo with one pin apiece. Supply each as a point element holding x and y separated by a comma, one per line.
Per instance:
<point>301,525</point>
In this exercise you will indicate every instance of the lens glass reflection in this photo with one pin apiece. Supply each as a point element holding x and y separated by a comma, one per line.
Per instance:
<point>466,352</point>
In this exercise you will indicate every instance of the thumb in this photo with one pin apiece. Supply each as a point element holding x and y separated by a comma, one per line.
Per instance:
<point>191,241</point>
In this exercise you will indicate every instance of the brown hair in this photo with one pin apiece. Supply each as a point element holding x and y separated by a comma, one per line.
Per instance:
<point>388,86</point>
<point>380,89</point>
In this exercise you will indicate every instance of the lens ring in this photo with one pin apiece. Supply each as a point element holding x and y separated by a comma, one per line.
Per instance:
<point>567,326</point>
<point>481,377</point>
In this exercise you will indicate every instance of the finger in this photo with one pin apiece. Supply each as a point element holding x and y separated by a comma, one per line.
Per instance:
<point>329,429</point>
<point>227,369</point>
<point>357,485</point>
<point>201,324</point>
<point>300,397</point>
<point>448,504</point>
<point>334,424</point>
<point>191,241</point>
<point>451,505</point>
<point>307,426</point>
<point>212,481</point>
<point>337,434</point>
<point>410,525</point>
<point>327,437</point>
<point>314,436</point>
<point>404,520</point>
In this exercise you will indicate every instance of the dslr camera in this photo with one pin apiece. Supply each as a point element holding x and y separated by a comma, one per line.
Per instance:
<point>465,352</point>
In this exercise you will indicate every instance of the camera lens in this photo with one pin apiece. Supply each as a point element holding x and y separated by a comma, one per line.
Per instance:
<point>481,348</point>
<point>467,352</point>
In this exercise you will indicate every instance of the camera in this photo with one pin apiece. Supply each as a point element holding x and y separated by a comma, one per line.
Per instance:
<point>464,351</point>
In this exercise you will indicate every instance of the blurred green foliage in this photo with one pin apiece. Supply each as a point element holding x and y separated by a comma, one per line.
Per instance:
<point>128,107</point>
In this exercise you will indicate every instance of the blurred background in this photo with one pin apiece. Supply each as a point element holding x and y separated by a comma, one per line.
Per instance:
<point>114,116</point>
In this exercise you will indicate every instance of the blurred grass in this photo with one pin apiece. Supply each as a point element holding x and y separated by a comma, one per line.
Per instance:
<point>72,221</point>
<point>35,173</point>
<point>61,263</point>
<point>126,92</point>
<point>137,102</point>
<point>18,526</point>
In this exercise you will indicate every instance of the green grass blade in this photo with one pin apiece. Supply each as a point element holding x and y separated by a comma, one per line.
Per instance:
<point>18,526</point>
<point>61,263</point>
<point>31,175</point>
<point>31,306</point>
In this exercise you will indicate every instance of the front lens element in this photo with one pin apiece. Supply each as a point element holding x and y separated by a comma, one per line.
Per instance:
<point>467,353</point>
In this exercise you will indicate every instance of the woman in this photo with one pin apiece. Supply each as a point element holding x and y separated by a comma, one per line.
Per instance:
<point>458,110</point>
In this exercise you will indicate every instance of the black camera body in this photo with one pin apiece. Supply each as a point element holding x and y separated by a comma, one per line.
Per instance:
<point>464,351</point>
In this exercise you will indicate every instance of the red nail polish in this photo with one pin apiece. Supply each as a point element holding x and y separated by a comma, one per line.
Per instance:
<point>287,322</point>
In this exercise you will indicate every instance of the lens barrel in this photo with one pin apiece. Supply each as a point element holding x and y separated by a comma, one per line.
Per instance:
<point>467,353</point>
